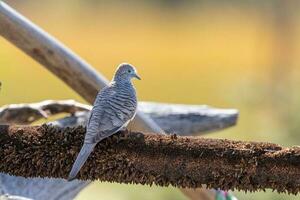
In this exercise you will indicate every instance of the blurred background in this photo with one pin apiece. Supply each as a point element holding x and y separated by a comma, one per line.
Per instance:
<point>228,54</point>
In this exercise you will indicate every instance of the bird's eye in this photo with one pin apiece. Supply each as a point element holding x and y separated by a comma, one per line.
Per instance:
<point>129,71</point>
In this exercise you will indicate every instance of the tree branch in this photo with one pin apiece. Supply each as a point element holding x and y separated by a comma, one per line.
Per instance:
<point>133,157</point>
<point>64,63</point>
<point>59,59</point>
<point>189,119</point>
<point>28,113</point>
<point>172,118</point>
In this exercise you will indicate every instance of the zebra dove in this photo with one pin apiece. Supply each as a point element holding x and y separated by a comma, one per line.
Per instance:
<point>115,106</point>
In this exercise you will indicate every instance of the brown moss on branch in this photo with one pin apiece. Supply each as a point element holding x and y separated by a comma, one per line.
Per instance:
<point>132,157</point>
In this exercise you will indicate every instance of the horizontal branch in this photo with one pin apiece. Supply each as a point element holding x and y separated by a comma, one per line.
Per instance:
<point>65,64</point>
<point>189,119</point>
<point>183,119</point>
<point>27,113</point>
<point>133,157</point>
<point>172,118</point>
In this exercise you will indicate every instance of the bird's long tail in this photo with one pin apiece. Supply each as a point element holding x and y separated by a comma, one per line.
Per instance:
<point>80,160</point>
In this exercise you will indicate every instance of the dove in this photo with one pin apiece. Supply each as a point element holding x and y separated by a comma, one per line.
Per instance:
<point>114,107</point>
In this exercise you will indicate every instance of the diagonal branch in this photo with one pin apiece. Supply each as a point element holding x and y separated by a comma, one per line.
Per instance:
<point>134,157</point>
<point>58,59</point>
<point>64,63</point>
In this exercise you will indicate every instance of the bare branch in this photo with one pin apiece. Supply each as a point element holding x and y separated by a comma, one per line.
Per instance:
<point>60,60</point>
<point>189,119</point>
<point>28,113</point>
<point>41,188</point>
<point>51,53</point>
<point>59,189</point>
<point>133,157</point>
<point>172,118</point>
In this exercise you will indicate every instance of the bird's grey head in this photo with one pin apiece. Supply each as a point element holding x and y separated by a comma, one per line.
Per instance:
<point>125,72</point>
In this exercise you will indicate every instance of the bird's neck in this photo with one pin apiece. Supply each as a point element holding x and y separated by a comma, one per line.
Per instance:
<point>121,82</point>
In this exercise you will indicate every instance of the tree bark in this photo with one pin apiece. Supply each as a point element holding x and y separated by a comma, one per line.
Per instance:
<point>192,119</point>
<point>64,63</point>
<point>134,157</point>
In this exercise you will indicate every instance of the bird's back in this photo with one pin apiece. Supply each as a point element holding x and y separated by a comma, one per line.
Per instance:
<point>114,107</point>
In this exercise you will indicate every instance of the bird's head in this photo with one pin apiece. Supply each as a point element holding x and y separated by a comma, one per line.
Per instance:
<point>125,72</point>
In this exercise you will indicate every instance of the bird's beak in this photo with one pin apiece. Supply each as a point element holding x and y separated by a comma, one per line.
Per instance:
<point>137,76</point>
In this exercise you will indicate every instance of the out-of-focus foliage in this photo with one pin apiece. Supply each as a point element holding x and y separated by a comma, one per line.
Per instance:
<point>240,54</point>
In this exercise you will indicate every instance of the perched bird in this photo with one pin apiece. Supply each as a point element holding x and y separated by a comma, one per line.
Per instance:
<point>115,106</point>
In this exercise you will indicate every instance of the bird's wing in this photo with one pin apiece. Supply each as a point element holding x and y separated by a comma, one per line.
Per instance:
<point>107,116</point>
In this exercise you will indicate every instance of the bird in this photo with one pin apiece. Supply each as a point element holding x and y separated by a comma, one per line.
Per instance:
<point>114,107</point>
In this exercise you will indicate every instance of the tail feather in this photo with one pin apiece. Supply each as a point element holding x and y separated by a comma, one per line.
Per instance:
<point>80,160</point>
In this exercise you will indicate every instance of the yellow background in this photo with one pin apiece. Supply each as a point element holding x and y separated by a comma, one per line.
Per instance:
<point>228,54</point>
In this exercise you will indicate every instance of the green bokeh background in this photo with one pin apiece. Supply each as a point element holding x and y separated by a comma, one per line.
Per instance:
<point>228,54</point>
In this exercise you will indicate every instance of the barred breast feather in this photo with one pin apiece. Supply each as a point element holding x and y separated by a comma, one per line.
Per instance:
<point>114,107</point>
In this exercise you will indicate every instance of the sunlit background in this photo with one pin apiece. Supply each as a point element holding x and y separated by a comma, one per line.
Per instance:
<point>228,54</point>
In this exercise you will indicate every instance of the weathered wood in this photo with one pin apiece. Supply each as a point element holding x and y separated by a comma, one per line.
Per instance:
<point>51,53</point>
<point>4,195</point>
<point>58,59</point>
<point>172,118</point>
<point>61,61</point>
<point>12,197</point>
<point>28,113</point>
<point>135,157</point>
<point>56,187</point>
<point>34,188</point>
<point>189,119</point>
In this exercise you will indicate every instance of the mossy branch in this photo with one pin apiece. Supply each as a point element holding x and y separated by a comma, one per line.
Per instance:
<point>133,157</point>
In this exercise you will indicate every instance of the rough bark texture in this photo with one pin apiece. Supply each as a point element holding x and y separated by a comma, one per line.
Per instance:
<point>195,119</point>
<point>65,64</point>
<point>133,157</point>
